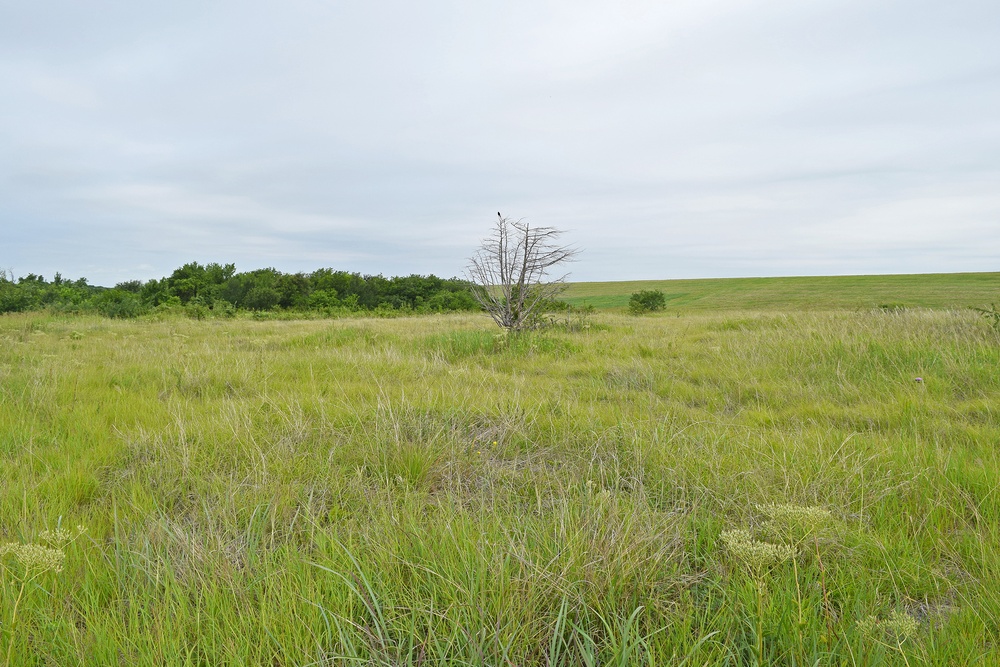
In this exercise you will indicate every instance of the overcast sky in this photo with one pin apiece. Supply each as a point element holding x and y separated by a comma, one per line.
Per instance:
<point>669,139</point>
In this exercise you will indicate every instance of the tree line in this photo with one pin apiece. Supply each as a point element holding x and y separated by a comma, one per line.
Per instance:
<point>217,289</point>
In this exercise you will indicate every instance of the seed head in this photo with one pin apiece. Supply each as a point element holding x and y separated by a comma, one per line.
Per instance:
<point>788,512</point>
<point>795,522</point>
<point>898,627</point>
<point>60,537</point>
<point>34,557</point>
<point>755,554</point>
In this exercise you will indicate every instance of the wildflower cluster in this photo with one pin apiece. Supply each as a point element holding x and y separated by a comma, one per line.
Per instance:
<point>39,558</point>
<point>60,537</point>
<point>35,558</point>
<point>804,515</point>
<point>786,525</point>
<point>795,522</point>
<point>757,555</point>
<point>897,628</point>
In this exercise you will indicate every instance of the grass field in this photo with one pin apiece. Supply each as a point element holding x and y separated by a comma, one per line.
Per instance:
<point>932,290</point>
<point>717,486</point>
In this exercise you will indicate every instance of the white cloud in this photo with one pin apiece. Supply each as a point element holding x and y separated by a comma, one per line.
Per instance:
<point>718,137</point>
<point>167,203</point>
<point>65,91</point>
<point>925,221</point>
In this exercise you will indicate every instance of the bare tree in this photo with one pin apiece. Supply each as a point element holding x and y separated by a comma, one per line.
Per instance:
<point>511,272</point>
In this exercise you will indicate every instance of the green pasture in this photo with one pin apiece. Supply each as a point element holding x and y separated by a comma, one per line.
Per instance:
<point>714,486</point>
<point>932,290</point>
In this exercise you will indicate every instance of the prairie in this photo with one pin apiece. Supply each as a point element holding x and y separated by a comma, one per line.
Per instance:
<point>718,486</point>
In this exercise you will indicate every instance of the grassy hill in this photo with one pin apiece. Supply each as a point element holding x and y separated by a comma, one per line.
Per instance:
<point>929,290</point>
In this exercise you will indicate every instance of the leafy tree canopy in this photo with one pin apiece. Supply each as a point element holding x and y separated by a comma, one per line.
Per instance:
<point>219,288</point>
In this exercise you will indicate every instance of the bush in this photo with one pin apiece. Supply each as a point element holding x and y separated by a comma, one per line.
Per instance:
<point>324,299</point>
<point>992,315</point>
<point>13,299</point>
<point>647,301</point>
<point>118,303</point>
<point>222,308</point>
<point>893,308</point>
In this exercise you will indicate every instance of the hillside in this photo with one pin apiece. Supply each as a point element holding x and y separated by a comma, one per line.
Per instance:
<point>929,290</point>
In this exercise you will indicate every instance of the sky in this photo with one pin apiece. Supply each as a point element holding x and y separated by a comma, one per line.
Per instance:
<point>669,139</point>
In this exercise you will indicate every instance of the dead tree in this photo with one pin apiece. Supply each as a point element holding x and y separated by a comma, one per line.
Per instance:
<point>510,272</point>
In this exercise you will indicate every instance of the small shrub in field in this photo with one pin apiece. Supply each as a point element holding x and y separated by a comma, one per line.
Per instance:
<point>992,315</point>
<point>894,308</point>
<point>647,301</point>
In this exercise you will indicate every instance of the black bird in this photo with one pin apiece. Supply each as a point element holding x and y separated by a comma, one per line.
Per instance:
<point>499,216</point>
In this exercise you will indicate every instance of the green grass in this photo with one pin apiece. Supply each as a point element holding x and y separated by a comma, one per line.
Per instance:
<point>932,290</point>
<point>419,491</point>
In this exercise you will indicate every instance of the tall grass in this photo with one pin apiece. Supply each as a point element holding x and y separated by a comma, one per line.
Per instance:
<point>416,492</point>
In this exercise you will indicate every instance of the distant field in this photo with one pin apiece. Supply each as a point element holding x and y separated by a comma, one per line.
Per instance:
<point>929,290</point>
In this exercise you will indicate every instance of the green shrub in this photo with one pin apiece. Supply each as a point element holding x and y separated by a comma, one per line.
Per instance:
<point>647,301</point>
<point>894,308</point>
<point>118,303</point>
<point>222,308</point>
<point>992,315</point>
<point>324,299</point>
<point>13,299</point>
